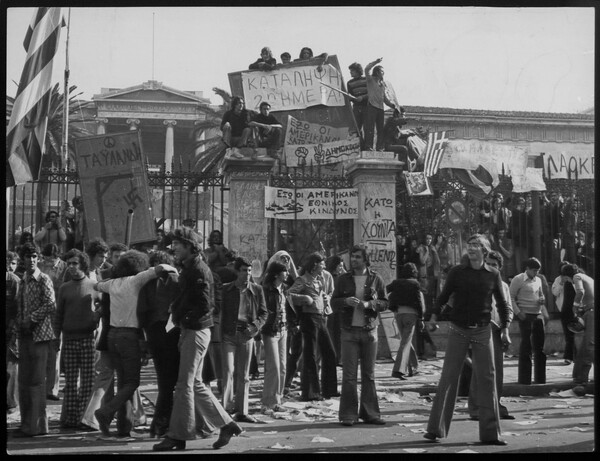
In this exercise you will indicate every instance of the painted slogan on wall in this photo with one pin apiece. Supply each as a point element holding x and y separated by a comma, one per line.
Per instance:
<point>113,180</point>
<point>248,227</point>
<point>288,88</point>
<point>311,203</point>
<point>377,227</point>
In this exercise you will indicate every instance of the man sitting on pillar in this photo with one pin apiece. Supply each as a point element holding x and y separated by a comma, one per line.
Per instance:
<point>268,133</point>
<point>234,124</point>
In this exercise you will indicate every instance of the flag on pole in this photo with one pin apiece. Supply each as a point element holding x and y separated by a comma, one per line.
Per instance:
<point>26,130</point>
<point>434,152</point>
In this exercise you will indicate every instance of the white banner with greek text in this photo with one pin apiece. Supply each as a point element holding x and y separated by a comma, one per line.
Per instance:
<point>573,165</point>
<point>533,179</point>
<point>288,88</point>
<point>302,132</point>
<point>311,203</point>
<point>323,153</point>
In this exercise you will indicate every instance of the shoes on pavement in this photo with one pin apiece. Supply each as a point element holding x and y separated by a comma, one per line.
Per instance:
<point>347,422</point>
<point>310,399</point>
<point>240,418</point>
<point>431,437</point>
<point>498,442</point>
<point>474,418</point>
<point>397,374</point>
<point>507,416</point>
<point>53,397</point>
<point>85,428</point>
<point>414,373</point>
<point>19,434</point>
<point>169,444</point>
<point>335,394</point>
<point>375,421</point>
<point>103,422</point>
<point>567,362</point>
<point>227,431</point>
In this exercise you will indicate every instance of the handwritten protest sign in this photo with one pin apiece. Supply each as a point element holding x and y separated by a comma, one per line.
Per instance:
<point>289,88</point>
<point>533,179</point>
<point>469,154</point>
<point>113,180</point>
<point>303,132</point>
<point>323,153</point>
<point>565,165</point>
<point>311,203</point>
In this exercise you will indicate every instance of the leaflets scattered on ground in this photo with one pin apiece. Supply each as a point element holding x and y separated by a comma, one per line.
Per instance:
<point>514,434</point>
<point>278,446</point>
<point>580,429</point>
<point>419,431</point>
<point>408,415</point>
<point>526,423</point>
<point>294,405</point>
<point>80,437</point>
<point>319,439</point>
<point>415,450</point>
<point>301,416</point>
<point>467,451</point>
<point>270,432</point>
<point>410,424</point>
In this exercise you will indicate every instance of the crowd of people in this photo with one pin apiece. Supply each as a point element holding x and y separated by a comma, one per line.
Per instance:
<point>203,315</point>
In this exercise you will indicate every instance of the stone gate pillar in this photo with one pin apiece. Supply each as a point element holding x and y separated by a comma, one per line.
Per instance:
<point>247,225</point>
<point>375,227</point>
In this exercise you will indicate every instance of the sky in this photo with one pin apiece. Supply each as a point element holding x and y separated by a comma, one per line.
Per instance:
<point>503,59</point>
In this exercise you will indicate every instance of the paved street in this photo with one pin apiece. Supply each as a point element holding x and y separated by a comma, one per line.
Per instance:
<point>549,418</point>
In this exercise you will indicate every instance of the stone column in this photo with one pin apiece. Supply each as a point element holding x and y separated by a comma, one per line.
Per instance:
<point>169,144</point>
<point>101,125</point>
<point>247,226</point>
<point>375,227</point>
<point>133,123</point>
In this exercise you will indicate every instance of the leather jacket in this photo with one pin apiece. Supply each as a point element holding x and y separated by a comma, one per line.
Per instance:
<point>374,295</point>
<point>275,322</point>
<point>256,308</point>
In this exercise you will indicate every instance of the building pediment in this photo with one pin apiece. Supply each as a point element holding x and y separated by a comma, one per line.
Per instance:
<point>150,91</point>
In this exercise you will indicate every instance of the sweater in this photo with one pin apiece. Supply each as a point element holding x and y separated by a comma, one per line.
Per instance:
<point>76,316</point>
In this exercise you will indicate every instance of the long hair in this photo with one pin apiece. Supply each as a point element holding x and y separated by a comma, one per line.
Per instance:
<point>130,263</point>
<point>363,251</point>
<point>312,261</point>
<point>306,49</point>
<point>160,257</point>
<point>273,270</point>
<point>332,263</point>
<point>235,101</point>
<point>409,271</point>
<point>96,246</point>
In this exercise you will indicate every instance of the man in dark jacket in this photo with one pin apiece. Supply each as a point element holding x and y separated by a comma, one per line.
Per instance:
<point>243,314</point>
<point>192,312</point>
<point>360,296</point>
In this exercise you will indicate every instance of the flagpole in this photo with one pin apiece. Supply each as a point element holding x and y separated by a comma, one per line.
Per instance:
<point>65,145</point>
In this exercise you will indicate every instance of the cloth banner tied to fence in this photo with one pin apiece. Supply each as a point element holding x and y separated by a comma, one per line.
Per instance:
<point>311,203</point>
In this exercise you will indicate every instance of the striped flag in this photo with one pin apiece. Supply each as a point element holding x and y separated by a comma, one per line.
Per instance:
<point>434,152</point>
<point>26,131</point>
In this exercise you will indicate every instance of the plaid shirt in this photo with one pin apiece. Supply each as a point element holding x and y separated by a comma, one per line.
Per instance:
<point>37,303</point>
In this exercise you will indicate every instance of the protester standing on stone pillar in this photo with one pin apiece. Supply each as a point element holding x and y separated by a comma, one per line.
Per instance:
<point>359,295</point>
<point>36,305</point>
<point>529,305</point>
<point>357,87</point>
<point>376,90</point>
<point>471,285</point>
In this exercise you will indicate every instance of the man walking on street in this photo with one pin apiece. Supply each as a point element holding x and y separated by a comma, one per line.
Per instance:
<point>529,305</point>
<point>472,285</point>
<point>192,312</point>
<point>359,296</point>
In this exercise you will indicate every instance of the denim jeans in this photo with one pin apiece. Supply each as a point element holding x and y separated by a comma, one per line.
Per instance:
<point>585,350</point>
<point>532,341</point>
<point>459,340</point>
<point>165,357</point>
<point>275,362</point>
<point>406,358</point>
<point>315,337</point>
<point>294,353</point>
<point>126,358</point>
<point>193,400</point>
<point>33,358</point>
<point>359,344</point>
<point>237,353</point>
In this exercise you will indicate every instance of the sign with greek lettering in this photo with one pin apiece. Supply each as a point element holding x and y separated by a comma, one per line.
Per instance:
<point>113,180</point>
<point>287,88</point>
<point>311,203</point>
<point>573,165</point>
<point>532,180</point>
<point>302,132</point>
<point>323,153</point>
<point>470,154</point>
